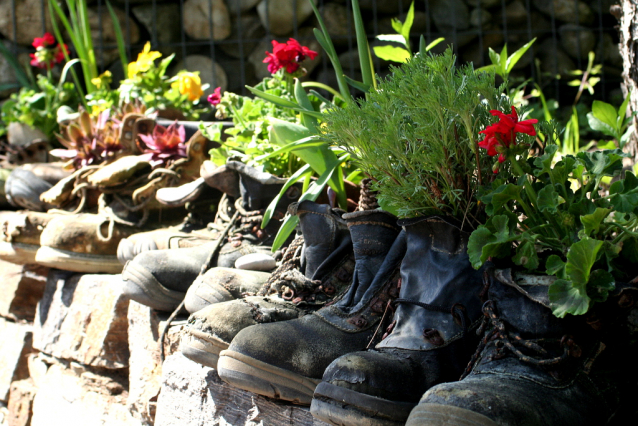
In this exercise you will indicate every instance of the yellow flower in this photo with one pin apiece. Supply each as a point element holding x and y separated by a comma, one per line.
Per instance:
<point>144,61</point>
<point>189,84</point>
<point>105,77</point>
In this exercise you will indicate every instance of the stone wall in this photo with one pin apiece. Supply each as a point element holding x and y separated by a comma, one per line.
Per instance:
<point>230,52</point>
<point>78,353</point>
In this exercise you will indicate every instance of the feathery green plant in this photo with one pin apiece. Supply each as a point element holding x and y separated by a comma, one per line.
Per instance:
<point>416,136</point>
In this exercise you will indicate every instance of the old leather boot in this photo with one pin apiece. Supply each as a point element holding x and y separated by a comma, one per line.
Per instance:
<point>292,368</point>
<point>20,235</point>
<point>533,368</point>
<point>82,243</point>
<point>23,188</point>
<point>429,341</point>
<point>160,278</point>
<point>314,270</point>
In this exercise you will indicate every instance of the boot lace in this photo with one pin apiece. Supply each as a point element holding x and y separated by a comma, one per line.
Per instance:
<point>508,341</point>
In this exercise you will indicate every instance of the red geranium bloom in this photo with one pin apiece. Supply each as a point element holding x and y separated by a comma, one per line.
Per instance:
<point>503,133</point>
<point>45,41</point>
<point>287,55</point>
<point>46,55</point>
<point>216,97</point>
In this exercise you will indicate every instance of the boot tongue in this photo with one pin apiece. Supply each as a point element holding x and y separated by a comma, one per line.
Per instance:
<point>257,188</point>
<point>323,231</point>
<point>222,178</point>
<point>373,232</point>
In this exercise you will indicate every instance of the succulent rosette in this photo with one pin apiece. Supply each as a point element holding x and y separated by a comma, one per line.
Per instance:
<point>89,142</point>
<point>164,144</point>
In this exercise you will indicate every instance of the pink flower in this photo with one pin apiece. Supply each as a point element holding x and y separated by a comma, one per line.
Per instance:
<point>164,144</point>
<point>287,55</point>
<point>216,97</point>
<point>45,41</point>
<point>46,55</point>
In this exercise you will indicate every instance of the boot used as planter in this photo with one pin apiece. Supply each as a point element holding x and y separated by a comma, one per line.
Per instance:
<point>292,367</point>
<point>314,271</point>
<point>160,278</point>
<point>20,235</point>
<point>534,369</point>
<point>429,341</point>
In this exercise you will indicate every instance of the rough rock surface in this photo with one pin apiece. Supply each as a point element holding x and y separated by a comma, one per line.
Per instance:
<point>197,19</point>
<point>15,341</point>
<point>83,318</point>
<point>194,395</point>
<point>279,15</point>
<point>145,369</point>
<point>20,405</point>
<point>21,287</point>
<point>28,18</point>
<point>72,394</point>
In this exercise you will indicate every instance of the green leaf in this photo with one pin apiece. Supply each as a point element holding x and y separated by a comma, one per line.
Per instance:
<point>623,197</point>
<point>501,196</point>
<point>548,199</point>
<point>395,38</point>
<point>526,256</point>
<point>300,174</point>
<point>119,38</point>
<point>592,222</point>
<point>431,45</point>
<point>630,250</point>
<point>565,299</point>
<point>397,26</point>
<point>622,111</point>
<point>600,284</point>
<point>543,163</point>
<point>495,58</point>
<point>554,266</point>
<point>284,103</point>
<point>598,125</point>
<point>302,99</point>
<point>580,259</point>
<point>365,58</point>
<point>606,113</point>
<point>516,56</point>
<point>357,84</point>
<point>407,25</point>
<point>602,163</point>
<point>392,53</point>
<point>485,242</point>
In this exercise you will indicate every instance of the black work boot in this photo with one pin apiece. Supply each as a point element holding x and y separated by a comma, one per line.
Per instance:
<point>311,275</point>
<point>532,368</point>
<point>160,278</point>
<point>429,341</point>
<point>291,368</point>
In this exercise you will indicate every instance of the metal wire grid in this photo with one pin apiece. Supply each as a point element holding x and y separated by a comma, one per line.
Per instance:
<point>186,46</point>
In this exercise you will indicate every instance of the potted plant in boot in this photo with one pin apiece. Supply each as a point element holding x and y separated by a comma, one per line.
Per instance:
<point>564,242</point>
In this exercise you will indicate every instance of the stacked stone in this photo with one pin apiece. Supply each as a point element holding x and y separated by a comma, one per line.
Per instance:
<point>242,31</point>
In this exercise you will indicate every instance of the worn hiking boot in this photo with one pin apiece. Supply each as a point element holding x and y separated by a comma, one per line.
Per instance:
<point>196,230</point>
<point>23,188</point>
<point>314,271</point>
<point>82,243</point>
<point>532,368</point>
<point>20,235</point>
<point>429,341</point>
<point>160,278</point>
<point>291,368</point>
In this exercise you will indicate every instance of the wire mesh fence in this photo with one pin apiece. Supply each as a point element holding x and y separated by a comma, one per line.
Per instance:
<point>225,40</point>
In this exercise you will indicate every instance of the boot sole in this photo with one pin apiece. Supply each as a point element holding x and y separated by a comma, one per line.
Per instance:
<point>19,253</point>
<point>446,415</point>
<point>141,286</point>
<point>264,379</point>
<point>77,262</point>
<point>202,350</point>
<point>344,407</point>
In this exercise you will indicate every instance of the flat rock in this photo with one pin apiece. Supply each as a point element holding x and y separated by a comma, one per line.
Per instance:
<point>281,16</point>
<point>194,395</point>
<point>145,369</point>
<point>256,262</point>
<point>20,134</point>
<point>72,394</point>
<point>197,19</point>
<point>28,19</point>
<point>83,318</point>
<point>20,405</point>
<point>21,288</point>
<point>16,346</point>
<point>162,18</point>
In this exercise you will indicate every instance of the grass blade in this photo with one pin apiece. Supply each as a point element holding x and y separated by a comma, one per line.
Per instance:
<point>302,173</point>
<point>119,37</point>
<point>365,58</point>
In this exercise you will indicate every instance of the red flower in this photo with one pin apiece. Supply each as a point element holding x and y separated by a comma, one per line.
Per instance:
<point>45,41</point>
<point>502,134</point>
<point>216,97</point>
<point>46,55</point>
<point>287,55</point>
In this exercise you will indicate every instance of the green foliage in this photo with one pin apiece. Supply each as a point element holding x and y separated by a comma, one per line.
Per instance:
<point>557,220</point>
<point>611,122</point>
<point>502,64</point>
<point>37,107</point>
<point>249,138</point>
<point>416,136</point>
